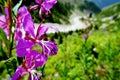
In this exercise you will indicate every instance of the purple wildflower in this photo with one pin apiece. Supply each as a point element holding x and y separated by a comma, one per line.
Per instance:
<point>32,61</point>
<point>47,5</point>
<point>33,37</point>
<point>22,15</point>
<point>5,21</point>
<point>44,6</point>
<point>85,36</point>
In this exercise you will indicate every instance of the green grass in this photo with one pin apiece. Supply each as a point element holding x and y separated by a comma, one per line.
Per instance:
<point>77,62</point>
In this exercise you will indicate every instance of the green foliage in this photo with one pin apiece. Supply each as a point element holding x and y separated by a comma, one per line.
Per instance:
<point>90,6</point>
<point>110,11</point>
<point>11,65</point>
<point>3,54</point>
<point>7,67</point>
<point>4,45</point>
<point>4,39</point>
<point>96,58</point>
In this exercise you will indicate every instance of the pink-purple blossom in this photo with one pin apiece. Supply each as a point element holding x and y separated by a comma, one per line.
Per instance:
<point>28,36</point>
<point>22,16</point>
<point>5,21</point>
<point>33,37</point>
<point>47,5</point>
<point>44,6</point>
<point>32,61</point>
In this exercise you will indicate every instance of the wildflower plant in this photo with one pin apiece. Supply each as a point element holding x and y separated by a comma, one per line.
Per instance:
<point>17,26</point>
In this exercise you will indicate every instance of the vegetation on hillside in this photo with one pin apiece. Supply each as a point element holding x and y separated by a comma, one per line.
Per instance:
<point>112,10</point>
<point>107,18</point>
<point>90,6</point>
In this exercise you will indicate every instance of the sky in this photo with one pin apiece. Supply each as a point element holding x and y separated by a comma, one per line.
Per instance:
<point>104,3</point>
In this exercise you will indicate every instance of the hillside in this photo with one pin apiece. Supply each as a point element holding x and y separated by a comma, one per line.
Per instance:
<point>110,11</point>
<point>64,8</point>
<point>104,3</point>
<point>108,18</point>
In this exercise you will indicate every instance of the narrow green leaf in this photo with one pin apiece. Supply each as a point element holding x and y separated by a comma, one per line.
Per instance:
<point>15,8</point>
<point>4,39</point>
<point>3,54</point>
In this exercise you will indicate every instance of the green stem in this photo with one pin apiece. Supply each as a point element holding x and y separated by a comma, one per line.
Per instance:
<point>10,17</point>
<point>43,71</point>
<point>84,57</point>
<point>11,44</point>
<point>11,36</point>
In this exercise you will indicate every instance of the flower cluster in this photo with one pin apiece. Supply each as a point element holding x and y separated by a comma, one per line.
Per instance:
<point>28,37</point>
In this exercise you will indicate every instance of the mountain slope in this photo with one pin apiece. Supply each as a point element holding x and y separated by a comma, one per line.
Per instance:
<point>104,3</point>
<point>108,18</point>
<point>110,11</point>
